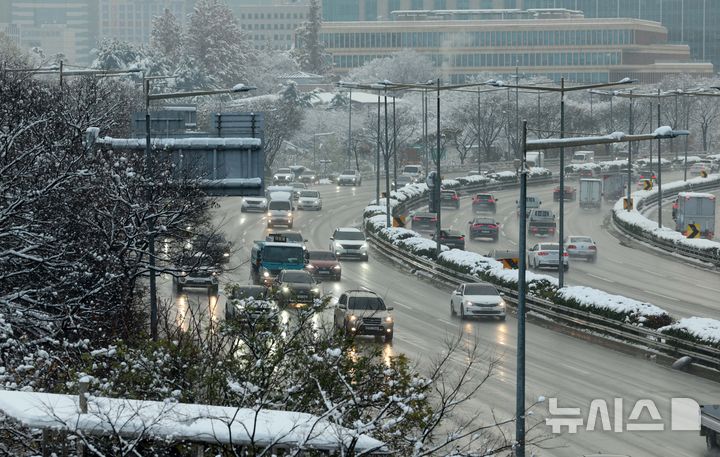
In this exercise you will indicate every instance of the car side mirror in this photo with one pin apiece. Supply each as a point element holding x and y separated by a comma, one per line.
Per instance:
<point>456,292</point>
<point>339,306</point>
<point>332,237</point>
<point>502,294</point>
<point>390,308</point>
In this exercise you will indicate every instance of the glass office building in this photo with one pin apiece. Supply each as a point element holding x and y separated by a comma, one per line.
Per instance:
<point>579,49</point>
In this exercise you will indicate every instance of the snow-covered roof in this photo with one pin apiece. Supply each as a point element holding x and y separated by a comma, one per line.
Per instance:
<point>181,143</point>
<point>180,421</point>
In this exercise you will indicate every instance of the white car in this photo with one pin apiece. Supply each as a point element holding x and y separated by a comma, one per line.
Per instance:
<point>309,199</point>
<point>349,178</point>
<point>349,242</point>
<point>581,246</point>
<point>283,176</point>
<point>477,299</point>
<point>545,255</point>
<point>253,204</point>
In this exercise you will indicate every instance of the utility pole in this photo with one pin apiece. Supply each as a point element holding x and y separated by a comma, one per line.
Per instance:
<point>561,231</point>
<point>439,177</point>
<point>377,155</point>
<point>522,248</point>
<point>659,175</point>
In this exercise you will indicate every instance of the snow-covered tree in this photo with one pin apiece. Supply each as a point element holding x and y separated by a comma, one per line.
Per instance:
<point>114,54</point>
<point>406,66</point>
<point>215,43</point>
<point>310,51</point>
<point>167,36</point>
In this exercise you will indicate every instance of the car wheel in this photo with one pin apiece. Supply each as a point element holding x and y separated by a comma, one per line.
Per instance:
<point>711,441</point>
<point>566,267</point>
<point>452,309</point>
<point>269,224</point>
<point>462,312</point>
<point>502,318</point>
<point>593,259</point>
<point>242,210</point>
<point>290,225</point>
<point>389,337</point>
<point>337,278</point>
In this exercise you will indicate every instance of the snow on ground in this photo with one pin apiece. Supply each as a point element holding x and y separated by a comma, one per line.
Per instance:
<point>594,298</point>
<point>700,327</point>
<point>324,181</point>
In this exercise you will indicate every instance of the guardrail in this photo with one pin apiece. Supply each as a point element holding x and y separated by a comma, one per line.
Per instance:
<point>639,337</point>
<point>665,244</point>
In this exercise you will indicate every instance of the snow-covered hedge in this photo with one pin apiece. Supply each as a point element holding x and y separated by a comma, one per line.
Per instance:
<point>646,162</point>
<point>698,329</point>
<point>595,301</point>
<point>635,222</point>
<point>690,159</point>
<point>407,239</point>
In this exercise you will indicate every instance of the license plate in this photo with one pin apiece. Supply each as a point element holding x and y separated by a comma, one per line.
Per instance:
<point>324,272</point>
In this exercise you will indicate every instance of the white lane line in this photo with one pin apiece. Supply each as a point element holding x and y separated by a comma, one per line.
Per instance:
<point>660,295</point>
<point>403,305</point>
<point>511,242</point>
<point>615,261</point>
<point>600,277</point>
<point>452,324</point>
<point>707,288</point>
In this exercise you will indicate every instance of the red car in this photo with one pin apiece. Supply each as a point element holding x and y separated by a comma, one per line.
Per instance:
<point>324,264</point>
<point>570,193</point>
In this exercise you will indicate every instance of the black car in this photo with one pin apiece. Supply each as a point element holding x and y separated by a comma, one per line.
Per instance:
<point>449,199</point>
<point>484,227</point>
<point>424,222</point>
<point>454,239</point>
<point>484,203</point>
<point>295,288</point>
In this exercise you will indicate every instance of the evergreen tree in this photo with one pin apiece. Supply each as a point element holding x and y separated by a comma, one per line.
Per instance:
<point>167,36</point>
<point>310,51</point>
<point>215,43</point>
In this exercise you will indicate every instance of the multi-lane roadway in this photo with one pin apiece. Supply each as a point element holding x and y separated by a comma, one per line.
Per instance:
<point>573,370</point>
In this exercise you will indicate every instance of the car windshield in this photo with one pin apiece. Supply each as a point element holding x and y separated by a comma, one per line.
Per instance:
<point>280,205</point>
<point>411,169</point>
<point>480,289</point>
<point>310,194</point>
<point>452,233</point>
<point>549,247</point>
<point>289,254</point>
<point>349,236</point>
<point>322,255</point>
<point>483,197</point>
<point>580,239</point>
<point>348,172</point>
<point>297,277</point>
<point>367,303</point>
<point>308,173</point>
<point>294,237</point>
<point>284,170</point>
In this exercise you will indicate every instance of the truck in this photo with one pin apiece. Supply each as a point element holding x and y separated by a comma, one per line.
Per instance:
<point>541,222</point>
<point>697,209</point>
<point>535,159</point>
<point>268,258</point>
<point>590,193</point>
<point>710,427</point>
<point>614,185</point>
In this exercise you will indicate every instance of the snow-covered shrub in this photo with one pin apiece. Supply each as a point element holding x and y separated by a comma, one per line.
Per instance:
<point>614,306</point>
<point>420,246</point>
<point>698,329</point>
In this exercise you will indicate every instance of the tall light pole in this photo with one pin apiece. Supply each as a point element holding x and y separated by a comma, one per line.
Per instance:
<point>394,144</point>
<point>377,155</point>
<point>659,175</point>
<point>315,135</point>
<point>538,145</point>
<point>439,178</point>
<point>150,171</point>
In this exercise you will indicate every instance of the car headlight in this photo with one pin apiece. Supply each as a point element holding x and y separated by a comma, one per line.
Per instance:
<point>468,303</point>
<point>310,267</point>
<point>269,213</point>
<point>226,254</point>
<point>316,290</point>
<point>352,318</point>
<point>338,246</point>
<point>364,246</point>
<point>337,267</point>
<point>289,214</point>
<point>388,319</point>
<point>266,274</point>
<point>286,289</point>
<point>312,177</point>
<point>501,303</point>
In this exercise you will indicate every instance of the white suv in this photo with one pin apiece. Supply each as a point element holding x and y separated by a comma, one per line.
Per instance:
<point>349,178</point>
<point>362,312</point>
<point>349,242</point>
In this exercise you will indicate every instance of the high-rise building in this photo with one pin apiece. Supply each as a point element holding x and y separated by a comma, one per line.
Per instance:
<point>691,22</point>
<point>131,20</point>
<point>66,26</point>
<point>576,48</point>
<point>271,25</point>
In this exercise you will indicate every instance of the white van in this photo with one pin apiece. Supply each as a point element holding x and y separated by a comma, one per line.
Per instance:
<point>280,209</point>
<point>583,157</point>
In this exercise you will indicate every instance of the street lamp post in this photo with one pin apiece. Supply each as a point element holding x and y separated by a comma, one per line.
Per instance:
<point>538,145</point>
<point>149,170</point>
<point>438,185</point>
<point>315,135</point>
<point>659,175</point>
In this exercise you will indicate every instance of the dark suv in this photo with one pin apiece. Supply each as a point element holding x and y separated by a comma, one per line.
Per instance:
<point>449,199</point>
<point>484,227</point>
<point>452,238</point>
<point>484,203</point>
<point>424,222</point>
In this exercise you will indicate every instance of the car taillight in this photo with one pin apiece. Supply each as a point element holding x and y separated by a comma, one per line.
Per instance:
<point>416,219</point>
<point>592,248</point>
<point>533,229</point>
<point>434,219</point>
<point>572,246</point>
<point>552,229</point>
<point>493,226</point>
<point>478,225</point>
<point>491,200</point>
<point>565,254</point>
<point>455,197</point>
<point>542,253</point>
<point>462,237</point>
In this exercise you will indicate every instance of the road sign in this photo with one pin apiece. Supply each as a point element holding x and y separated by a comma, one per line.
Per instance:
<point>693,231</point>
<point>647,184</point>
<point>398,221</point>
<point>703,174</point>
<point>627,204</point>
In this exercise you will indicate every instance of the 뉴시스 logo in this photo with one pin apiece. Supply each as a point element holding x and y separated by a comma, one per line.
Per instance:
<point>643,415</point>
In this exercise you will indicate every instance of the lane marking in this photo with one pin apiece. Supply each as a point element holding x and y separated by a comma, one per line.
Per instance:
<point>600,277</point>
<point>706,287</point>
<point>403,305</point>
<point>511,242</point>
<point>660,295</point>
<point>448,323</point>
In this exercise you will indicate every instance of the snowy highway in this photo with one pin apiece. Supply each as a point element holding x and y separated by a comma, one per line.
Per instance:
<point>571,369</point>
